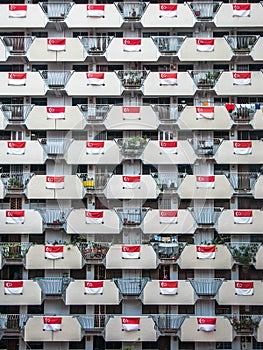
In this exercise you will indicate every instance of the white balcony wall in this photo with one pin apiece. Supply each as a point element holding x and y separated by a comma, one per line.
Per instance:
<point>35,18</point>
<point>226,155</point>
<point>35,86</point>
<point>226,294</point>
<point>257,191</point>
<point>32,223</point>
<point>257,50</point>
<point>257,121</point>
<point>34,154</point>
<point>31,295</point>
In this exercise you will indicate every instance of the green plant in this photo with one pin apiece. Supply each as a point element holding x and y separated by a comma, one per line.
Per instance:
<point>244,254</point>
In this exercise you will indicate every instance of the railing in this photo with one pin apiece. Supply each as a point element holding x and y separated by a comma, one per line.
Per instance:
<point>205,79</point>
<point>242,182</point>
<point>205,216</point>
<point>168,251</point>
<point>53,285</point>
<point>131,11</point>
<point>206,286</point>
<point>92,250</point>
<point>132,79</point>
<point>166,181</point>
<point>56,11</point>
<point>242,44</point>
<point>242,113</point>
<point>168,113</point>
<point>168,323</point>
<point>93,113</point>
<point>93,323</point>
<point>56,79</point>
<point>95,45</point>
<point>206,147</point>
<point>244,253</point>
<point>14,250</point>
<point>131,286</point>
<point>15,181</point>
<point>132,147</point>
<point>244,324</point>
<point>16,113</point>
<point>168,45</point>
<point>12,322</point>
<point>131,216</point>
<point>17,45</point>
<point>204,11</point>
<point>55,146</point>
<point>94,182</point>
<point>54,216</point>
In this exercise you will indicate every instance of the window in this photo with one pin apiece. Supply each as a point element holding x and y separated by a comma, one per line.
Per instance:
<point>225,345</point>
<point>39,101</point>
<point>40,34</point>
<point>79,101</point>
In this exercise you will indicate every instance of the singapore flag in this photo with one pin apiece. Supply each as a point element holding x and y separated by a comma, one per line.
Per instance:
<point>94,216</point>
<point>243,216</point>
<point>52,323</point>
<point>95,78</point>
<point>242,147</point>
<point>205,45</point>
<point>168,78</point>
<point>167,10</point>
<point>168,216</point>
<point>131,251</point>
<point>130,323</point>
<point>205,181</point>
<point>131,181</point>
<point>56,44</point>
<point>17,11</point>
<point>131,112</point>
<point>168,147</point>
<point>94,147</point>
<point>205,112</point>
<point>205,251</point>
<point>55,182</point>
<point>241,78</point>
<point>132,45</point>
<point>207,324</point>
<point>13,287</point>
<point>54,251</point>
<point>241,10</point>
<point>14,216</point>
<point>95,10</point>
<point>93,287</point>
<point>16,147</point>
<point>244,288</point>
<point>55,112</point>
<point>168,287</point>
<point>17,79</point>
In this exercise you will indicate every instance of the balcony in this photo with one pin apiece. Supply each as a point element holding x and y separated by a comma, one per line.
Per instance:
<point>54,218</point>
<point>130,287</point>
<point>206,217</point>
<point>241,113</point>
<point>190,331</point>
<point>168,325</point>
<point>16,113</point>
<point>35,258</point>
<point>95,114</point>
<point>206,288</point>
<point>131,217</point>
<point>15,183</point>
<point>189,259</point>
<point>131,11</point>
<point>26,152</point>
<point>75,294</point>
<point>56,12</point>
<point>227,294</point>
<point>205,79</point>
<point>239,152</point>
<point>244,325</point>
<point>257,119</point>
<point>227,223</point>
<point>152,296</point>
<point>168,252</point>
<point>147,258</point>
<point>94,183</point>
<point>146,332</point>
<point>119,186</point>
<point>93,324</point>
<point>17,46</point>
<point>95,45</point>
<point>206,148</point>
<point>55,148</point>
<point>37,188</point>
<point>12,325</point>
<point>13,253</point>
<point>56,80</point>
<point>191,188</point>
<point>34,329</point>
<point>259,259</point>
<point>168,45</point>
<point>132,79</point>
<point>258,188</point>
<point>132,148</point>
<point>94,252</point>
<point>242,182</point>
<point>31,295</point>
<point>166,181</point>
<point>76,223</point>
<point>168,114</point>
<point>53,287</point>
<point>169,152</point>
<point>204,11</point>
<point>153,224</point>
<point>242,44</point>
<point>244,253</point>
<point>12,223</point>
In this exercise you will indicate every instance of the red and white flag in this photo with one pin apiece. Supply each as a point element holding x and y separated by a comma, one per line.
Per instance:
<point>52,323</point>
<point>17,79</point>
<point>55,182</point>
<point>131,112</point>
<point>168,287</point>
<point>54,44</point>
<point>132,45</point>
<point>93,287</point>
<point>241,10</point>
<point>13,287</point>
<point>205,181</point>
<point>243,216</point>
<point>131,251</point>
<point>230,107</point>
<point>241,78</point>
<point>205,251</point>
<point>130,323</point>
<point>95,10</point>
<point>94,147</point>
<point>167,10</point>
<point>205,112</point>
<point>14,216</point>
<point>207,324</point>
<point>244,288</point>
<point>17,11</point>
<point>94,216</point>
<point>168,147</point>
<point>242,147</point>
<point>95,78</point>
<point>16,147</point>
<point>168,216</point>
<point>205,45</point>
<point>54,251</point>
<point>55,112</point>
<point>168,78</point>
<point>131,181</point>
